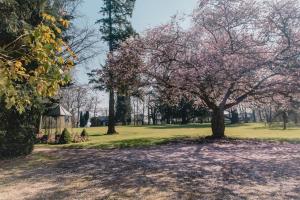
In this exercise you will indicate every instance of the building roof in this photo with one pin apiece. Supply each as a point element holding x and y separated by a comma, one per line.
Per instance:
<point>57,110</point>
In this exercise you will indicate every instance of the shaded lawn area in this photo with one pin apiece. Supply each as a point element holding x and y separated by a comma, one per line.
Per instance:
<point>229,169</point>
<point>130,136</point>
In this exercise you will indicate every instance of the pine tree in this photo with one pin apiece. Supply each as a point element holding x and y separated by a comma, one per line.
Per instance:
<point>86,117</point>
<point>115,28</point>
<point>81,120</point>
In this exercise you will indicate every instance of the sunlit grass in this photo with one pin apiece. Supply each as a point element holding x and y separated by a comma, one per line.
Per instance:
<point>130,136</point>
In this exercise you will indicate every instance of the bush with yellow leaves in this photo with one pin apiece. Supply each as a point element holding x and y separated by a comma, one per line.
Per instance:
<point>36,64</point>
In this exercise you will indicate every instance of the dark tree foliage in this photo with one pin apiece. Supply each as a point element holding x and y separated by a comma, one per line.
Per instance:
<point>17,14</point>
<point>185,110</point>
<point>87,117</point>
<point>84,118</point>
<point>234,116</point>
<point>81,120</point>
<point>17,131</point>
<point>114,24</point>
<point>123,110</point>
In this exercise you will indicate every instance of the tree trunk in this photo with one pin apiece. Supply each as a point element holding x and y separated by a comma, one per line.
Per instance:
<point>234,116</point>
<point>39,124</point>
<point>143,119</point>
<point>254,116</point>
<point>246,120</point>
<point>154,117</point>
<point>184,117</point>
<point>285,120</point>
<point>149,115</point>
<point>111,119</point>
<point>168,120</point>
<point>78,117</point>
<point>260,116</point>
<point>134,114</point>
<point>137,112</point>
<point>218,123</point>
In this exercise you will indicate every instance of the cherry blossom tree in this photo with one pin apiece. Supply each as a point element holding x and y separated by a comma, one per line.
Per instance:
<point>235,51</point>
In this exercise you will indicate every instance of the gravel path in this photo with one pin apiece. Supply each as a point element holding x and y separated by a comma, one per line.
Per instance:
<point>222,170</point>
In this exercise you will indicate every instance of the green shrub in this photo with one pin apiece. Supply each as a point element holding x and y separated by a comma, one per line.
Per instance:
<point>18,130</point>
<point>65,137</point>
<point>16,142</point>
<point>84,134</point>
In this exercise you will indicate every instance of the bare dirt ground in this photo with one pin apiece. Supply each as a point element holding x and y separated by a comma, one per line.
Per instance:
<point>222,170</point>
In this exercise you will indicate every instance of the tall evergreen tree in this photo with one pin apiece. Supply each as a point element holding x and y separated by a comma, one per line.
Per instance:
<point>81,120</point>
<point>115,27</point>
<point>86,117</point>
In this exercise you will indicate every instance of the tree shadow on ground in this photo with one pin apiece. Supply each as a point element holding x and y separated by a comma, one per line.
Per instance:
<point>133,143</point>
<point>204,125</point>
<point>178,126</point>
<point>97,134</point>
<point>215,170</point>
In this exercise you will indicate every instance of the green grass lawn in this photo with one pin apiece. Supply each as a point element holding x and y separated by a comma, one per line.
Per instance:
<point>130,136</point>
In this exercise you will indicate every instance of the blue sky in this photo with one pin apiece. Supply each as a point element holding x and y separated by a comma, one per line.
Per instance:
<point>147,14</point>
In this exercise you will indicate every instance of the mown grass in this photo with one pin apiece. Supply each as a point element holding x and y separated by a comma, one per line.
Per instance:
<point>130,136</point>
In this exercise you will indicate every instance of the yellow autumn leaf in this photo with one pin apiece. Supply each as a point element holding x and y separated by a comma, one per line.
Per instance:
<point>59,49</point>
<point>70,62</point>
<point>65,23</point>
<point>58,30</point>
<point>18,65</point>
<point>44,44</point>
<point>40,88</point>
<point>60,60</point>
